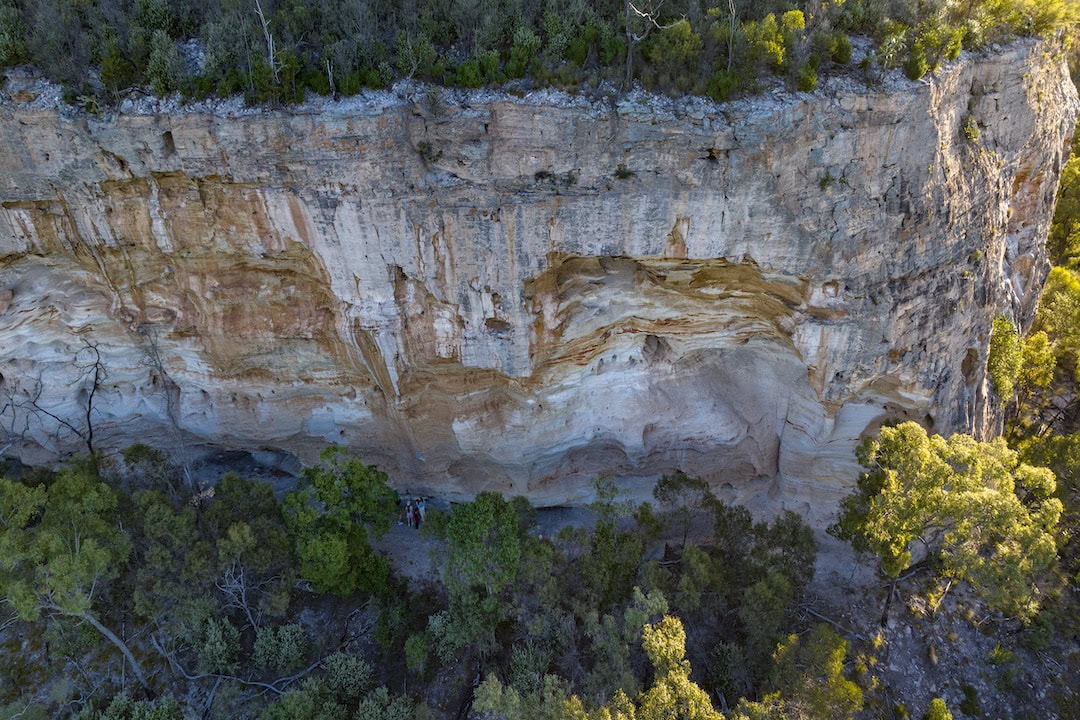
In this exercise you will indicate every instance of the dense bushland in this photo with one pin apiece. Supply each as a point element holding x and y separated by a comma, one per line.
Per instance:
<point>114,568</point>
<point>278,50</point>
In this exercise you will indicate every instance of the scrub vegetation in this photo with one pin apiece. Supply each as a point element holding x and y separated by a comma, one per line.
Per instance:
<point>276,51</point>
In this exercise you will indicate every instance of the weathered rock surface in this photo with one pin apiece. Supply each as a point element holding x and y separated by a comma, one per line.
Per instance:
<point>517,297</point>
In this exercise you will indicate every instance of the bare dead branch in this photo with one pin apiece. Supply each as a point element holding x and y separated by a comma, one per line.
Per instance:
<point>271,55</point>
<point>811,611</point>
<point>650,15</point>
<point>279,686</point>
<point>23,402</point>
<point>234,586</point>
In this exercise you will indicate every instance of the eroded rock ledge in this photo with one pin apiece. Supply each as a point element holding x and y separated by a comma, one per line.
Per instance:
<point>518,297</point>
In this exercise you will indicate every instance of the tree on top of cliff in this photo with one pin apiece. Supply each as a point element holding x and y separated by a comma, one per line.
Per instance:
<point>274,51</point>
<point>972,508</point>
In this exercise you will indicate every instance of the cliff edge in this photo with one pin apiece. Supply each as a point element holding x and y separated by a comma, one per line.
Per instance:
<point>517,296</point>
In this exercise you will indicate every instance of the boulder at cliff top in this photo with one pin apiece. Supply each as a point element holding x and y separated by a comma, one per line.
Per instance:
<point>518,297</point>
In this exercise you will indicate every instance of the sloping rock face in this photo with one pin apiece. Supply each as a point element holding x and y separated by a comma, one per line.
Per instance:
<point>518,297</point>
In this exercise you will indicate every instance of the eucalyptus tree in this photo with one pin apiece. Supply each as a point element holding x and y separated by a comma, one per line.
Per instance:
<point>972,507</point>
<point>61,546</point>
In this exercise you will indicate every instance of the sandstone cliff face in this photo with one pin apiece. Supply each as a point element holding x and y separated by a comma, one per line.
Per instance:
<point>485,297</point>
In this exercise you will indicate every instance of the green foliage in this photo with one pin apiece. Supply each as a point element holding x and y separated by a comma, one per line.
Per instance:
<point>937,710</point>
<point>416,652</point>
<point>528,664</point>
<point>982,514</point>
<point>673,52</point>
<point>809,672</point>
<point>231,39</point>
<point>839,48</point>
<point>468,75</point>
<point>340,501</point>
<point>123,707</point>
<point>806,79</point>
<point>1006,358</point>
<point>682,497</point>
<point>1038,362</point>
<point>767,43</point>
<point>414,54</point>
<point>673,694</point>
<point>164,66</point>
<point>335,46</point>
<point>916,64</point>
<point>699,575</point>
<point>435,524</point>
<point>1000,656</point>
<point>771,707</point>
<point>523,52</point>
<point>59,546</point>
<point>1063,243</point>
<point>970,129</point>
<point>609,510</point>
<point>168,557</point>
<point>490,67</point>
<point>733,539</point>
<point>1059,315</point>
<point>484,544</point>
<point>722,85</point>
<point>281,649</point>
<point>762,612</point>
<point>13,48</point>
<point>1060,453</point>
<point>218,646</point>
<point>727,672</point>
<point>609,640</point>
<point>787,546</point>
<point>248,533</point>
<point>308,703</point>
<point>379,704</point>
<point>892,49</point>
<point>348,677</point>
<point>779,45</point>
<point>495,700</point>
<point>970,704</point>
<point>609,568</point>
<point>744,553</point>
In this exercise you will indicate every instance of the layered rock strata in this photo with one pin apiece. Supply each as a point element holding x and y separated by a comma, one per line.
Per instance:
<point>518,296</point>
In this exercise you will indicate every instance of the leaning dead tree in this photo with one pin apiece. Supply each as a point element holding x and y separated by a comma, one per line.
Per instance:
<point>271,51</point>
<point>648,12</point>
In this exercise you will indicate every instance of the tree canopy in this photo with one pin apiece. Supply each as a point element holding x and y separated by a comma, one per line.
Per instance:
<point>60,547</point>
<point>276,50</point>
<point>971,506</point>
<point>339,502</point>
